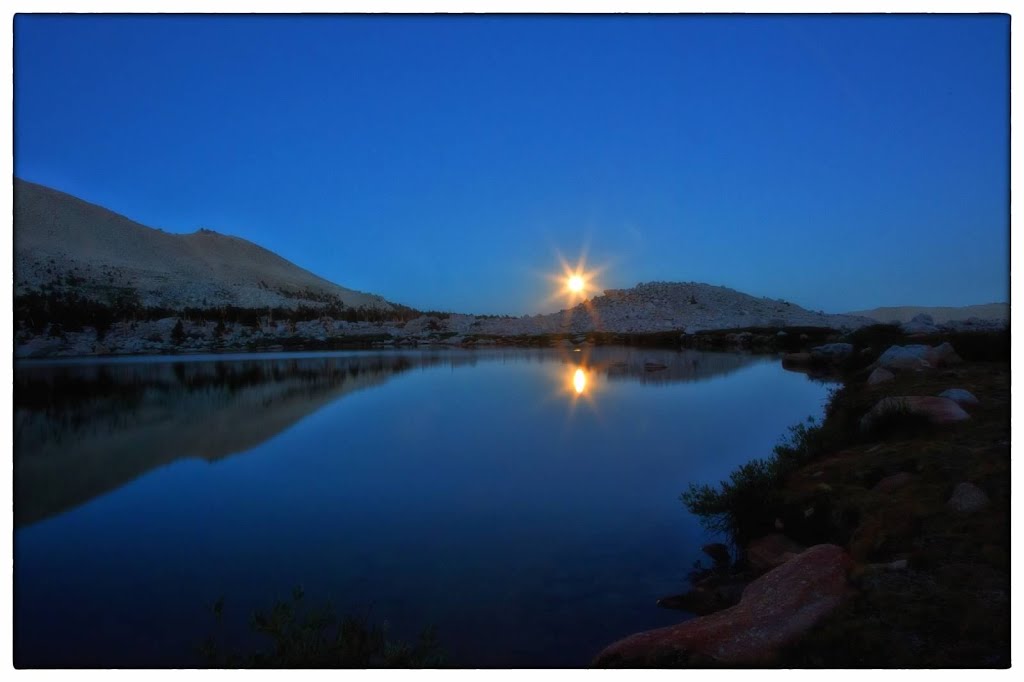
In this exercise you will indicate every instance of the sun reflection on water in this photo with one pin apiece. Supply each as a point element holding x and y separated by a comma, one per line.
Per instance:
<point>579,380</point>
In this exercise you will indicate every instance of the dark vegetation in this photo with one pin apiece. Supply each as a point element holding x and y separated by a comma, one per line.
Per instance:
<point>746,505</point>
<point>298,343</point>
<point>314,637</point>
<point>950,606</point>
<point>39,311</point>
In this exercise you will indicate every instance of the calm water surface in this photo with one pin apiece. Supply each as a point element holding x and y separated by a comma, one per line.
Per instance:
<point>522,502</point>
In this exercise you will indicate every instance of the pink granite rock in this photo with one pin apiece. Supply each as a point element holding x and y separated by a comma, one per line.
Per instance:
<point>936,410</point>
<point>770,551</point>
<point>775,610</point>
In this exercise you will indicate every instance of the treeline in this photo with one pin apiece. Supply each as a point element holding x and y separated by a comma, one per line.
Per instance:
<point>56,312</point>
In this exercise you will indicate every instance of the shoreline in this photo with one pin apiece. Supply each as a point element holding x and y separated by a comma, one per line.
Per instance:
<point>886,525</point>
<point>171,336</point>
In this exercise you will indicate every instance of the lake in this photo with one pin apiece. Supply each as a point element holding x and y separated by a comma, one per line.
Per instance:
<point>524,503</point>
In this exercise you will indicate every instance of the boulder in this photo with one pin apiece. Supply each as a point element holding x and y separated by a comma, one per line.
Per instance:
<point>718,552</point>
<point>918,356</point>
<point>960,396</point>
<point>967,498</point>
<point>880,376</point>
<point>796,360</point>
<point>923,318</point>
<point>893,482</point>
<point>775,610</point>
<point>708,596</point>
<point>832,351</point>
<point>743,339</point>
<point>905,357</point>
<point>943,355</point>
<point>936,410</point>
<point>770,551</point>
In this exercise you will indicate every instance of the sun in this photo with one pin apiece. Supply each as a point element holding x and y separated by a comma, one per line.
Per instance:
<point>574,284</point>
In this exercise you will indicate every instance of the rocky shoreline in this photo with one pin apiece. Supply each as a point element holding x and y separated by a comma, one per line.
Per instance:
<point>878,538</point>
<point>189,333</point>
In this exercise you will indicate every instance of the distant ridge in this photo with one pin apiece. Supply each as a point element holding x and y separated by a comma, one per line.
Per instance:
<point>940,314</point>
<point>666,306</point>
<point>66,244</point>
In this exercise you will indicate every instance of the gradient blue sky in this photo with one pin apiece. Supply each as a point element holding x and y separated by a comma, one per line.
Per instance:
<point>837,162</point>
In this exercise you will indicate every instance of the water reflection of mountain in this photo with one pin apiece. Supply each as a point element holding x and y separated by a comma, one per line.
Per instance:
<point>83,430</point>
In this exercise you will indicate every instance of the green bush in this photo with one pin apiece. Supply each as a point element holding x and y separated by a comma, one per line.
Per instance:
<point>805,441</point>
<point>740,504</point>
<point>748,502</point>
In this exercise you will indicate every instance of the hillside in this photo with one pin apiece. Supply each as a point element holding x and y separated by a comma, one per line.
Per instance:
<point>66,244</point>
<point>668,306</point>
<point>940,314</point>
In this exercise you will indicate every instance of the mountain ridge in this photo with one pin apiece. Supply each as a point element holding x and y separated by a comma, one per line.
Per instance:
<point>63,243</point>
<point>940,314</point>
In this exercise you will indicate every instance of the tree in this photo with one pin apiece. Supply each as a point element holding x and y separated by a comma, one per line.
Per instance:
<point>178,333</point>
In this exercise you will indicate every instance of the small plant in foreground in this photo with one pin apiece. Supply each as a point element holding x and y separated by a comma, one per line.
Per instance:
<point>316,638</point>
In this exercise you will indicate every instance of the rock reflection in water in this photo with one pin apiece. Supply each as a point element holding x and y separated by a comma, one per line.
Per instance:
<point>659,366</point>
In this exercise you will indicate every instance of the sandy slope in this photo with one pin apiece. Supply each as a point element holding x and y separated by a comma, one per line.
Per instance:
<point>56,235</point>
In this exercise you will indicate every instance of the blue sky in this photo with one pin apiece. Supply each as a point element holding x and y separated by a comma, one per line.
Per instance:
<point>837,162</point>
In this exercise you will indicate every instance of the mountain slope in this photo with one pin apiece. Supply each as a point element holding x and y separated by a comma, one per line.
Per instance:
<point>941,314</point>
<point>66,243</point>
<point>666,306</point>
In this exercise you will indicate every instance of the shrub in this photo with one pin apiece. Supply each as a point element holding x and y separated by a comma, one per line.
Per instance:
<point>178,333</point>
<point>748,502</point>
<point>805,441</point>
